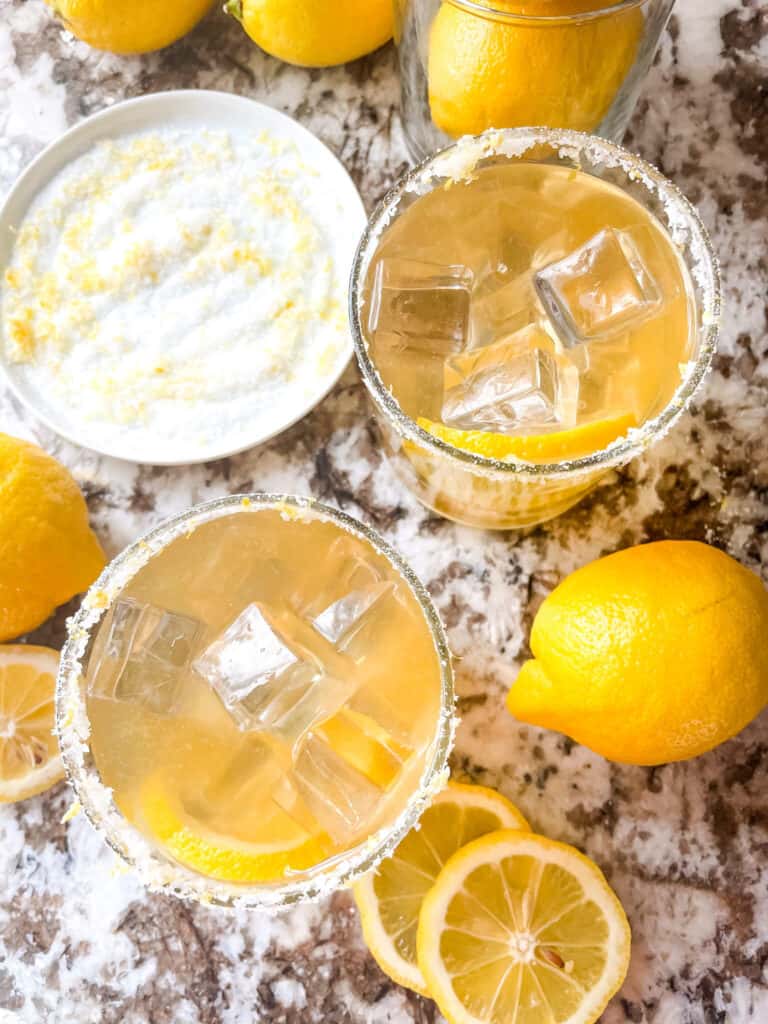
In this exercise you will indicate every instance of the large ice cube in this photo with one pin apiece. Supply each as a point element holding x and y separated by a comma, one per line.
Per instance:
<point>425,304</point>
<point>519,384</point>
<point>146,656</point>
<point>253,792</point>
<point>599,290</point>
<point>275,669</point>
<point>248,655</point>
<point>503,302</point>
<point>341,798</point>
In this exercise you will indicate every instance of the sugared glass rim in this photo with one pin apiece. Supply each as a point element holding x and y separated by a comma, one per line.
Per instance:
<point>157,870</point>
<point>492,12</point>
<point>454,162</point>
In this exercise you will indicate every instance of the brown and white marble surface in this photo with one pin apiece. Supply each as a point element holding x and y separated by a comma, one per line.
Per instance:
<point>686,845</point>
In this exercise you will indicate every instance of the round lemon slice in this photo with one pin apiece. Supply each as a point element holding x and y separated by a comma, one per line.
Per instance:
<point>29,755</point>
<point>390,898</point>
<point>225,857</point>
<point>561,444</point>
<point>519,929</point>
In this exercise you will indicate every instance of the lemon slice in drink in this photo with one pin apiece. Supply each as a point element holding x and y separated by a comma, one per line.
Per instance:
<point>562,444</point>
<point>389,899</point>
<point>519,929</point>
<point>29,755</point>
<point>224,857</point>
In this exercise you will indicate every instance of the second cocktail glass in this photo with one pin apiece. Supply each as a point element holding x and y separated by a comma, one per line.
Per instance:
<point>529,309</point>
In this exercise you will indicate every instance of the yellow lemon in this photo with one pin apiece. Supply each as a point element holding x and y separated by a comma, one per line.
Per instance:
<point>563,444</point>
<point>29,755</point>
<point>490,74</point>
<point>389,899</point>
<point>315,33</point>
<point>48,553</point>
<point>518,929</point>
<point>224,857</point>
<point>652,654</point>
<point>130,26</point>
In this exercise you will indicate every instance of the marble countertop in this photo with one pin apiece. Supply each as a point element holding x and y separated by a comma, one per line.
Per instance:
<point>686,845</point>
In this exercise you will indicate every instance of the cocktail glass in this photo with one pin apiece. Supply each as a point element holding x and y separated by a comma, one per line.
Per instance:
<point>509,493</point>
<point>249,549</point>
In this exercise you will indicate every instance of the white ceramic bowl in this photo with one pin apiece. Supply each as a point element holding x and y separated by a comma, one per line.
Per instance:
<point>180,109</point>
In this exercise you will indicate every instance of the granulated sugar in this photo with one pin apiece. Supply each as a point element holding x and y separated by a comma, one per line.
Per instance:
<point>177,287</point>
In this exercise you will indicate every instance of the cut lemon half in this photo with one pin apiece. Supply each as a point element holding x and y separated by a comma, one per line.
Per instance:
<point>562,444</point>
<point>389,899</point>
<point>519,929</point>
<point>29,754</point>
<point>227,858</point>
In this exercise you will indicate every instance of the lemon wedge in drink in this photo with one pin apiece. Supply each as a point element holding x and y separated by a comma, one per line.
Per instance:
<point>562,444</point>
<point>518,928</point>
<point>29,755</point>
<point>389,899</point>
<point>227,858</point>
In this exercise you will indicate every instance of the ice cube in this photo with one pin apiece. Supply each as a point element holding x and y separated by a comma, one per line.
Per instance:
<point>519,384</point>
<point>291,705</point>
<point>425,304</point>
<point>146,656</point>
<point>248,655</point>
<point>255,790</point>
<point>503,302</point>
<point>366,745</point>
<point>340,621</point>
<point>342,799</point>
<point>599,290</point>
<point>275,671</point>
<point>413,375</point>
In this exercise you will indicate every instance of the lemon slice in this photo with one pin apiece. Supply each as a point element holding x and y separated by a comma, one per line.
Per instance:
<point>522,930</point>
<point>562,444</point>
<point>390,898</point>
<point>29,755</point>
<point>226,858</point>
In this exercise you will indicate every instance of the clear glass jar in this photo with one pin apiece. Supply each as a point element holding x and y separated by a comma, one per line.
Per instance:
<point>469,65</point>
<point>157,869</point>
<point>504,494</point>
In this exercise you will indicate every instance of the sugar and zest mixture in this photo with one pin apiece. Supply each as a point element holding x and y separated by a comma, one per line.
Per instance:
<point>179,285</point>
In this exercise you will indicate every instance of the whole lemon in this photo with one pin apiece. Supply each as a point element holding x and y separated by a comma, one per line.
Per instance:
<point>315,33</point>
<point>653,654</point>
<point>48,553</point>
<point>491,74</point>
<point>130,26</point>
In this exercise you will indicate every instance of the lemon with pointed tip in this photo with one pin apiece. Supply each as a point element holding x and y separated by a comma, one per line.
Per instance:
<point>48,553</point>
<point>485,73</point>
<point>29,755</point>
<point>130,26</point>
<point>519,929</point>
<point>389,899</point>
<point>315,33</point>
<point>652,654</point>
